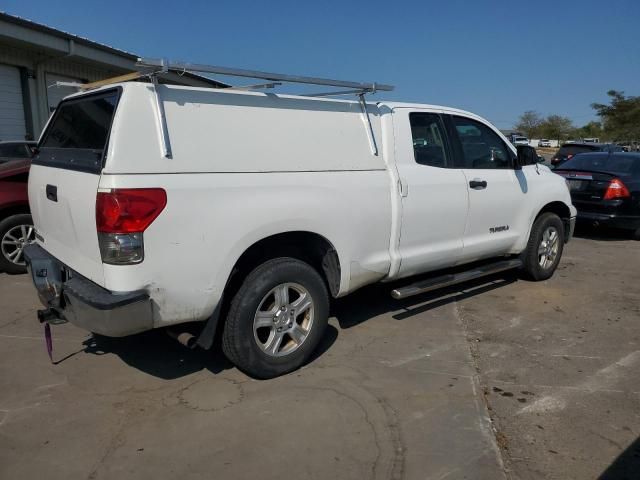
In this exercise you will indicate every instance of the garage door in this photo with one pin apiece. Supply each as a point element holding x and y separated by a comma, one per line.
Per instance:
<point>12,124</point>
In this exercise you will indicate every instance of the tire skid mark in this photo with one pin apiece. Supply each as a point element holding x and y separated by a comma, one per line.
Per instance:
<point>382,419</point>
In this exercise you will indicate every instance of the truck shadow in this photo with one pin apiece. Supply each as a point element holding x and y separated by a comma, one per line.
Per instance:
<point>626,466</point>
<point>349,311</point>
<point>155,353</point>
<point>602,233</point>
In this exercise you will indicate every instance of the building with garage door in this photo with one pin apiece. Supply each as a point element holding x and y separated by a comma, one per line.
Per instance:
<point>33,57</point>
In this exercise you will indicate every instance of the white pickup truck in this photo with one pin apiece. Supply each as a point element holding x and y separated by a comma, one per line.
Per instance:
<point>156,205</point>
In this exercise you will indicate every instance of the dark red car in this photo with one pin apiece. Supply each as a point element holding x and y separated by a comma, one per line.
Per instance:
<point>16,226</point>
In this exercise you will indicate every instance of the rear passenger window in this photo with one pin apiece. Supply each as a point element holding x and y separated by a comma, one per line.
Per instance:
<point>429,141</point>
<point>482,148</point>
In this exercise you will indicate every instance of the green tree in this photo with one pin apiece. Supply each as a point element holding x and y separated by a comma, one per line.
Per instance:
<point>556,127</point>
<point>621,118</point>
<point>529,123</point>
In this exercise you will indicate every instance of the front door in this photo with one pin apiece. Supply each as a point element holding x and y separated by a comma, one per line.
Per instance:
<point>434,193</point>
<point>496,193</point>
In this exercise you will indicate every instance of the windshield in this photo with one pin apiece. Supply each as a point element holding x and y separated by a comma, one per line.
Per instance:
<point>604,163</point>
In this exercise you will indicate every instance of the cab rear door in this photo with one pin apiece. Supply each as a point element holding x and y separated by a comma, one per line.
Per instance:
<point>433,191</point>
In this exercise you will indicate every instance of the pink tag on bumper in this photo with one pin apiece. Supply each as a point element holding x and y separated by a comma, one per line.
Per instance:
<point>48,341</point>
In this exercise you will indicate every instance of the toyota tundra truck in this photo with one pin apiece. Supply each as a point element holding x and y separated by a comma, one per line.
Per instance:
<point>157,205</point>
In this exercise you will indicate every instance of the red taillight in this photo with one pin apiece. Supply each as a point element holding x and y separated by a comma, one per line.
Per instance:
<point>569,156</point>
<point>616,189</point>
<point>128,210</point>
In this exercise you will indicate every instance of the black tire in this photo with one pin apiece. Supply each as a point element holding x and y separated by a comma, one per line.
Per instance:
<point>636,234</point>
<point>531,258</point>
<point>239,343</point>
<point>9,223</point>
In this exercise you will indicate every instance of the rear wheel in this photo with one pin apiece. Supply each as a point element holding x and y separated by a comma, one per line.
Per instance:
<point>16,232</point>
<point>636,234</point>
<point>545,246</point>
<point>276,319</point>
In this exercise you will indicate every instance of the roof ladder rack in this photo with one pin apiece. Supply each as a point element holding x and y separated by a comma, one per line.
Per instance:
<point>154,66</point>
<point>155,63</point>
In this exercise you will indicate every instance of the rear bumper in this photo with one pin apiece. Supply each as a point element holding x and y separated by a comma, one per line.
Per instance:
<point>627,222</point>
<point>70,297</point>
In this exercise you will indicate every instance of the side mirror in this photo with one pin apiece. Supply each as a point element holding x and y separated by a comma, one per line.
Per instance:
<point>526,156</point>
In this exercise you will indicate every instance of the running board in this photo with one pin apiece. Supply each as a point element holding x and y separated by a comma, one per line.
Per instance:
<point>454,278</point>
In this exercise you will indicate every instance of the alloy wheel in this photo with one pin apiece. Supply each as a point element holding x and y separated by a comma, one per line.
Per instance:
<point>284,319</point>
<point>548,248</point>
<point>14,241</point>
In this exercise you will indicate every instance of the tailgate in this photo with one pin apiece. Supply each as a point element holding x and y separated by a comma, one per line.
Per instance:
<point>64,179</point>
<point>63,208</point>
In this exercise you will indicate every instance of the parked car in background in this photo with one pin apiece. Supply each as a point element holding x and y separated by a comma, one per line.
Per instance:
<point>605,188</point>
<point>14,150</point>
<point>568,150</point>
<point>16,226</point>
<point>543,142</point>
<point>518,140</point>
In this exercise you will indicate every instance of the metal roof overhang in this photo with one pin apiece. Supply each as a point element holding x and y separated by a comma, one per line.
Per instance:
<point>52,43</point>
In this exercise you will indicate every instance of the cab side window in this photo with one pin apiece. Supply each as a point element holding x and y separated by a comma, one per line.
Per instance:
<point>429,139</point>
<point>482,148</point>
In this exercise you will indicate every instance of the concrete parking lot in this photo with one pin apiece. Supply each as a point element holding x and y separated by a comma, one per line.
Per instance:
<point>502,378</point>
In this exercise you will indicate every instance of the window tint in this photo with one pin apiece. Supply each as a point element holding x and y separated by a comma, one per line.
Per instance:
<point>78,132</point>
<point>567,150</point>
<point>429,141</point>
<point>604,163</point>
<point>82,123</point>
<point>481,147</point>
<point>14,150</point>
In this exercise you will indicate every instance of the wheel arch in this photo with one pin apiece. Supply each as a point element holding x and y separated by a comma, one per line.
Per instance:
<point>563,211</point>
<point>559,208</point>
<point>307,246</point>
<point>304,245</point>
<point>7,211</point>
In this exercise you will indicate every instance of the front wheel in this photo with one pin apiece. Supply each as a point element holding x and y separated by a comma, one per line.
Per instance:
<point>545,246</point>
<point>276,319</point>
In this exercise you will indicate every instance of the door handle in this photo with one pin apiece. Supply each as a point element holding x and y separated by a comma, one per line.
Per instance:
<point>52,193</point>
<point>478,184</point>
<point>403,187</point>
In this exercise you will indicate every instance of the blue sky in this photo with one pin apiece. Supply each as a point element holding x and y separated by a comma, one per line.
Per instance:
<point>495,58</point>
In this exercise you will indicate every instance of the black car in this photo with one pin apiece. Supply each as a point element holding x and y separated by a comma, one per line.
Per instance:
<point>605,188</point>
<point>13,150</point>
<point>568,150</point>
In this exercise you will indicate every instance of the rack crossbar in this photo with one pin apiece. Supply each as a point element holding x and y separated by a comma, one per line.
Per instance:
<point>156,63</point>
